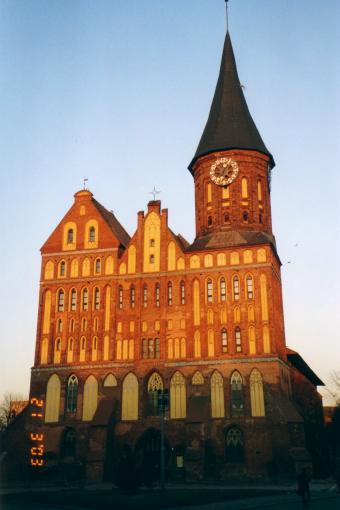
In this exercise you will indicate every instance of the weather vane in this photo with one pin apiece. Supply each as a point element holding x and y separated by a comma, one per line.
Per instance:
<point>85,181</point>
<point>154,192</point>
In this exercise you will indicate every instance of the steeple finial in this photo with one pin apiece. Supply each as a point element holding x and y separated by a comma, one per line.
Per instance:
<point>227,13</point>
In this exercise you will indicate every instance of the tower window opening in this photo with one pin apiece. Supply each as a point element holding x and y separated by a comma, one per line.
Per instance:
<point>182,293</point>
<point>236,288</point>
<point>97,266</point>
<point>169,293</point>
<point>85,303</point>
<point>260,218</point>
<point>223,290</point>
<point>152,259</point>
<point>92,235</point>
<point>209,291</point>
<point>226,218</point>
<point>70,236</point>
<point>96,298</point>
<point>224,340</point>
<point>145,296</point>
<point>157,295</point>
<point>245,217</point>
<point>120,297</point>
<point>61,300</point>
<point>132,296</point>
<point>73,300</point>
<point>238,340</point>
<point>250,287</point>
<point>152,243</point>
<point>209,221</point>
<point>144,348</point>
<point>59,326</point>
<point>62,268</point>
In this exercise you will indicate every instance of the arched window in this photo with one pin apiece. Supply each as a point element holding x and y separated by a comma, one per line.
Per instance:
<point>182,292</point>
<point>245,216</point>
<point>71,325</point>
<point>52,404</point>
<point>90,398</point>
<point>92,235</point>
<point>120,296</point>
<point>177,396</point>
<point>151,348</point>
<point>73,300</point>
<point>236,288</point>
<point>155,384</point>
<point>85,299</point>
<point>238,342</point>
<point>144,348</point>
<point>157,295</point>
<point>259,191</point>
<point>196,302</point>
<point>244,187</point>
<point>97,266</point>
<point>130,398</point>
<point>256,394</point>
<point>209,291</point>
<point>96,304</point>
<point>57,351</point>
<point>217,395</point>
<point>236,394</point>
<point>197,344</point>
<point>211,343</point>
<point>70,349</point>
<point>61,300</point>
<point>157,348</point>
<point>95,324</point>
<point>226,218</point>
<point>223,290</point>
<point>72,394</point>
<point>250,287</point>
<point>68,443</point>
<point>82,352</point>
<point>110,381</point>
<point>70,236</point>
<point>94,348</point>
<point>197,379</point>
<point>209,221</point>
<point>234,450</point>
<point>224,340</point>
<point>132,296</point>
<point>83,324</point>
<point>169,293</point>
<point>44,351</point>
<point>145,296</point>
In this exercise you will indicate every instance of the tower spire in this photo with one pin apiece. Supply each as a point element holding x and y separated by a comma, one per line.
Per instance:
<point>230,124</point>
<point>227,14</point>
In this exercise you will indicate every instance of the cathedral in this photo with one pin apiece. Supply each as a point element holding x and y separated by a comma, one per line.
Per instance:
<point>124,319</point>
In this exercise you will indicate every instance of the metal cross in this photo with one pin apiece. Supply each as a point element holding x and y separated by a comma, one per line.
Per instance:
<point>154,192</point>
<point>85,181</point>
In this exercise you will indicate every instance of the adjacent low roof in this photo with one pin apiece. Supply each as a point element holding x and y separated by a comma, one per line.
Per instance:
<point>229,125</point>
<point>299,363</point>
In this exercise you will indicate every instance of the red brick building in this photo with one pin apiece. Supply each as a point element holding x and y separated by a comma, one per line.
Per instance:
<point>121,317</point>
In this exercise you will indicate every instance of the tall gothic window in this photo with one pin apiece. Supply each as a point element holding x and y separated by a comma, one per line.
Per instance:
<point>97,266</point>
<point>256,394</point>
<point>236,394</point>
<point>236,288</point>
<point>72,393</point>
<point>177,396</point>
<point>70,236</point>
<point>85,300</point>
<point>96,298</point>
<point>145,296</point>
<point>73,300</point>
<point>155,384</point>
<point>234,451</point>
<point>217,395</point>
<point>92,235</point>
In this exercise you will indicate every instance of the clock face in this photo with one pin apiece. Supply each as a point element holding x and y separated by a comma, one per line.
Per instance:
<point>224,171</point>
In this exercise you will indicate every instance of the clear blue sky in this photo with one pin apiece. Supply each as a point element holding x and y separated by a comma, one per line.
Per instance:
<point>120,91</point>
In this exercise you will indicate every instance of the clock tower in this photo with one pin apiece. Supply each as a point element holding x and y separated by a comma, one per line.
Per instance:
<point>231,168</point>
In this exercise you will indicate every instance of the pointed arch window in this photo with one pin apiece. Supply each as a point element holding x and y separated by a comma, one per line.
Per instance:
<point>236,387</point>
<point>70,236</point>
<point>61,300</point>
<point>130,397</point>
<point>132,296</point>
<point>144,348</point>
<point>92,235</point>
<point>169,293</point>
<point>90,398</point>
<point>245,217</point>
<point>155,385</point>
<point>238,342</point>
<point>224,340</point>
<point>145,296</point>
<point>223,290</point>
<point>72,394</point>
<point>234,445</point>
<point>59,326</point>
<point>85,299</point>
<point>250,287</point>
<point>217,395</point>
<point>82,353</point>
<point>256,394</point>
<point>177,396</point>
<point>157,295</point>
<point>83,324</point>
<point>209,290</point>
<point>62,268</point>
<point>73,304</point>
<point>182,293</point>
<point>96,298</point>
<point>236,288</point>
<point>52,399</point>
<point>244,187</point>
<point>120,297</point>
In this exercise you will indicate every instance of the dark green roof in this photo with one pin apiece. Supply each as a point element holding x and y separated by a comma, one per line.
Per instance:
<point>229,125</point>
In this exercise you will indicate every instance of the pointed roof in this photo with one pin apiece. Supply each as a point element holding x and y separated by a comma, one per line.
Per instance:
<point>116,227</point>
<point>229,125</point>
